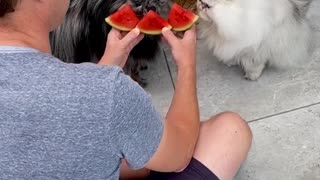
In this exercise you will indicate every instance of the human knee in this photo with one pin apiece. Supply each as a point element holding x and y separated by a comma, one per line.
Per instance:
<point>234,121</point>
<point>231,122</point>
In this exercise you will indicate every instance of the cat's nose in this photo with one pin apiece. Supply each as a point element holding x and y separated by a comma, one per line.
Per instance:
<point>150,7</point>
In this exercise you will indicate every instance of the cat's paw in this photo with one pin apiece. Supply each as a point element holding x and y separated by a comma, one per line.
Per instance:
<point>144,67</point>
<point>253,75</point>
<point>141,81</point>
<point>252,71</point>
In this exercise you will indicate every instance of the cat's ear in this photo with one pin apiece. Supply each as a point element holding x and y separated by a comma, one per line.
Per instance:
<point>301,7</point>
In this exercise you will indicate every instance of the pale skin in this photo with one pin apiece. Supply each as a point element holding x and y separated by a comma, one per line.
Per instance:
<point>221,143</point>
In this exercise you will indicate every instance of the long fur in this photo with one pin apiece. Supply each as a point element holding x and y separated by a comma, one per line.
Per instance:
<point>82,37</point>
<point>256,33</point>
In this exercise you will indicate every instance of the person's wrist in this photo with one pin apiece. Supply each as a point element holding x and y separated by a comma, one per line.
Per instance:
<point>186,75</point>
<point>186,68</point>
<point>186,72</point>
<point>104,61</point>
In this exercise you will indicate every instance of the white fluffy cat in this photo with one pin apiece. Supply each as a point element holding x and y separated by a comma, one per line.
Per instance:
<point>256,33</point>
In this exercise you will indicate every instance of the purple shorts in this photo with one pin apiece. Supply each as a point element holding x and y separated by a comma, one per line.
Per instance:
<point>195,171</point>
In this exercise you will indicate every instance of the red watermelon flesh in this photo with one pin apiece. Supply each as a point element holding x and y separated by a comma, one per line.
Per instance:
<point>180,18</point>
<point>124,19</point>
<point>152,23</point>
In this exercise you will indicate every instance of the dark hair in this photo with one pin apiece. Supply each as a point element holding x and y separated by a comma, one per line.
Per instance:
<point>83,34</point>
<point>7,6</point>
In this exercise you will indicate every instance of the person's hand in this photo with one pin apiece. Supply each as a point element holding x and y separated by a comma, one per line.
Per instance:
<point>119,46</point>
<point>183,49</point>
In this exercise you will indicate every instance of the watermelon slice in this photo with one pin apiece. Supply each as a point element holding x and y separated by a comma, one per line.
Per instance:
<point>152,23</point>
<point>124,19</point>
<point>180,18</point>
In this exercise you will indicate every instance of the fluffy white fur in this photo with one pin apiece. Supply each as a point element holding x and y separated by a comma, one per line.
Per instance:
<point>256,33</point>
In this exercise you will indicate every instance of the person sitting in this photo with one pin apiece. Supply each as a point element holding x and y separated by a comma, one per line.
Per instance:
<point>91,121</point>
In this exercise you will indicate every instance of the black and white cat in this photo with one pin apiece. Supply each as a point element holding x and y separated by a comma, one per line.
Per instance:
<point>82,36</point>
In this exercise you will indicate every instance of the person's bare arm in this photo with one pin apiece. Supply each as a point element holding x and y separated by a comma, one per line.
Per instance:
<point>181,127</point>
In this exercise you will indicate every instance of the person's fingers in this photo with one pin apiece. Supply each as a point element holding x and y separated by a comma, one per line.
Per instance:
<point>130,37</point>
<point>136,41</point>
<point>191,34</point>
<point>128,49</point>
<point>123,34</point>
<point>169,36</point>
<point>114,33</point>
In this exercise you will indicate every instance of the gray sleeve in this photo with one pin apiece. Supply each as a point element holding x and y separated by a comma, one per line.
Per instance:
<point>138,125</point>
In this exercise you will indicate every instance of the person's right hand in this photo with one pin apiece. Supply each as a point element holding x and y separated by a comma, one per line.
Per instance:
<point>119,46</point>
<point>183,50</point>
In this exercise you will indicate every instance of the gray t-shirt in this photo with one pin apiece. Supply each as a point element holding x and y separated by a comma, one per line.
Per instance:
<point>71,121</point>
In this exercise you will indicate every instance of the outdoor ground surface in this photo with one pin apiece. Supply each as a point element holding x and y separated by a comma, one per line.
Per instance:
<point>282,108</point>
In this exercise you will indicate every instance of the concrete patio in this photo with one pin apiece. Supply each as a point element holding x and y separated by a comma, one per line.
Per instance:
<point>282,108</point>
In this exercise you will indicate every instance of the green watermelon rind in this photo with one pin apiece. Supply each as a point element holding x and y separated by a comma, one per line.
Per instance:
<point>119,27</point>
<point>153,32</point>
<point>187,26</point>
<point>193,19</point>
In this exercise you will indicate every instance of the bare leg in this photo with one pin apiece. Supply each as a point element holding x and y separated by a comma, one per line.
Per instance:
<point>223,144</point>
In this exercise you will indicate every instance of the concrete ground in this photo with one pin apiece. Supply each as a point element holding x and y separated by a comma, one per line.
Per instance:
<point>282,108</point>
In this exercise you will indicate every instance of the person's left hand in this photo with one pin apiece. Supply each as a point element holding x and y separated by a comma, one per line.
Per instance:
<point>119,47</point>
